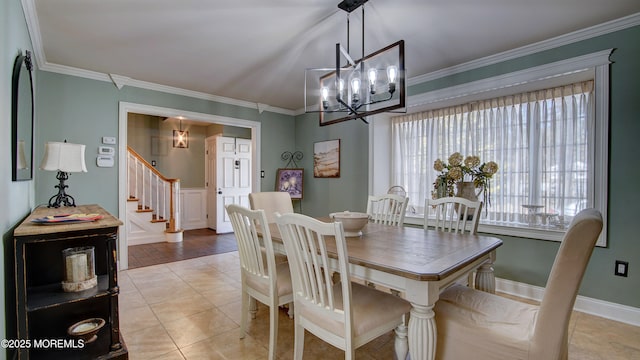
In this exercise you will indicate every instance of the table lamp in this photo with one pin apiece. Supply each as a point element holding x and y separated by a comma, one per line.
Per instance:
<point>64,158</point>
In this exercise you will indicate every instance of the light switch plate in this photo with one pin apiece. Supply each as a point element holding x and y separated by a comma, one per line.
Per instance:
<point>111,140</point>
<point>622,268</point>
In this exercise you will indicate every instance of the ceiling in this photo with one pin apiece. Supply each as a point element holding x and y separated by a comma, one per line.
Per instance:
<point>257,50</point>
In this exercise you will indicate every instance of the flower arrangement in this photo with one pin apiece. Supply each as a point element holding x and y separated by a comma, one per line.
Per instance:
<point>460,169</point>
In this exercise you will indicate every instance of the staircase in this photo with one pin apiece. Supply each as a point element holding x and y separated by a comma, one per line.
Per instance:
<point>153,213</point>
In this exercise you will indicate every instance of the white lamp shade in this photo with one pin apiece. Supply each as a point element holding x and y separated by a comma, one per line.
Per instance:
<point>64,157</point>
<point>22,161</point>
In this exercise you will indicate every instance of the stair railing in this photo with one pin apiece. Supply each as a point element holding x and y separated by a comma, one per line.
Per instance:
<point>153,190</point>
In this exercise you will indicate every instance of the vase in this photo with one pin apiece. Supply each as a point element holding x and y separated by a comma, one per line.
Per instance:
<point>467,190</point>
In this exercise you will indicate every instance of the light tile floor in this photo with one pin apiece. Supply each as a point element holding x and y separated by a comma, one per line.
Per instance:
<point>191,310</point>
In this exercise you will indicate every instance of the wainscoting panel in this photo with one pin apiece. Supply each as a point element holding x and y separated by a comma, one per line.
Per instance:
<point>193,204</point>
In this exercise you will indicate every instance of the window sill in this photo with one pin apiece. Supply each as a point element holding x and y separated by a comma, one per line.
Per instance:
<point>541,233</point>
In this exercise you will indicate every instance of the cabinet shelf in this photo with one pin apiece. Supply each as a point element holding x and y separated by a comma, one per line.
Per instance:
<point>51,295</point>
<point>43,310</point>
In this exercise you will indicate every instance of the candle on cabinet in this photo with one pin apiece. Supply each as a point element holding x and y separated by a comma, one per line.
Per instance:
<point>76,267</point>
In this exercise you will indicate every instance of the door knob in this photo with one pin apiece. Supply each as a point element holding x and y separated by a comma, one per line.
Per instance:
<point>219,192</point>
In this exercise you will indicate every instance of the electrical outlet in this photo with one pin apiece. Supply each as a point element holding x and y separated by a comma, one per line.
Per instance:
<point>622,268</point>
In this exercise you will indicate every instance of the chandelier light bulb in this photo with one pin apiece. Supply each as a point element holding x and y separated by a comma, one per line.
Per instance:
<point>340,88</point>
<point>392,75</point>
<point>355,89</point>
<point>355,85</point>
<point>372,80</point>
<point>325,96</point>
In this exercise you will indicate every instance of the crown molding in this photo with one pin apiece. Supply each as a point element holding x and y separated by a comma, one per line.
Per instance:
<point>33,26</point>
<point>521,77</point>
<point>204,96</point>
<point>579,35</point>
<point>119,81</point>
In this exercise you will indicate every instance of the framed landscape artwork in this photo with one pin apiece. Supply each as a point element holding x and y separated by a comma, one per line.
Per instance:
<point>290,180</point>
<point>326,159</point>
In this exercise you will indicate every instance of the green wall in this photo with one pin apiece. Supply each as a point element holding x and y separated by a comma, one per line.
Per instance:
<point>152,138</point>
<point>348,192</point>
<point>16,198</point>
<point>83,110</point>
<point>520,259</point>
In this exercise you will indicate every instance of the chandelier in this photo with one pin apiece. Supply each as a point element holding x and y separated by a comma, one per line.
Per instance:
<point>355,89</point>
<point>180,137</point>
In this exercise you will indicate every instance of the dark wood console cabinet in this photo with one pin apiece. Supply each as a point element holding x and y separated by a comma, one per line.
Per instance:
<point>43,310</point>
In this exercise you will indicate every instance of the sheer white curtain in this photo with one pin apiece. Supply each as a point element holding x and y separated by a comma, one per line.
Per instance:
<point>540,140</point>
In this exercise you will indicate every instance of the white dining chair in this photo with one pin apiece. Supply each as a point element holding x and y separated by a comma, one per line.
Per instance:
<point>460,216</point>
<point>453,214</point>
<point>271,202</point>
<point>263,279</point>
<point>346,315</point>
<point>387,209</point>
<point>477,325</point>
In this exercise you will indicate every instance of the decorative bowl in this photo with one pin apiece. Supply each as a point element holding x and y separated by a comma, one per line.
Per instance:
<point>86,329</point>
<point>352,222</point>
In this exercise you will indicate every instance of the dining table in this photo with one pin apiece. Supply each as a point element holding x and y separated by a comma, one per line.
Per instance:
<point>419,263</point>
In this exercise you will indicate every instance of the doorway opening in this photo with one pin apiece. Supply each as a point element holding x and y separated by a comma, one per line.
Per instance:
<point>125,109</point>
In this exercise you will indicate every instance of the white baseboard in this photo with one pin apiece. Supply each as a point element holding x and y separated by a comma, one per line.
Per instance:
<point>622,313</point>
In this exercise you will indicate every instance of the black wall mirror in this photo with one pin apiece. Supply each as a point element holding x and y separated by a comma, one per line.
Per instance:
<point>22,118</point>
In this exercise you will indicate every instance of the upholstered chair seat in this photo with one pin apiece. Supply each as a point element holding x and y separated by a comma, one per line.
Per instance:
<point>481,326</point>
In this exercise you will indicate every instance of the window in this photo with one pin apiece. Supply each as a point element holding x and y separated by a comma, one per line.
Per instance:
<point>540,140</point>
<point>569,163</point>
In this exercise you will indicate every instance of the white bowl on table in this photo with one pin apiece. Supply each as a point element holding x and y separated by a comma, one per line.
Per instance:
<point>352,222</point>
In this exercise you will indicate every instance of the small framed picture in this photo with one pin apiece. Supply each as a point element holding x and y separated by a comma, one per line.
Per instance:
<point>290,180</point>
<point>326,159</point>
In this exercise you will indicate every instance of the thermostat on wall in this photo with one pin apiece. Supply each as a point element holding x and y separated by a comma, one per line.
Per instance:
<point>104,161</point>
<point>106,150</point>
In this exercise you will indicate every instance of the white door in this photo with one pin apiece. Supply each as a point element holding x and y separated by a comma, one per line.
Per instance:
<point>210,181</point>
<point>233,178</point>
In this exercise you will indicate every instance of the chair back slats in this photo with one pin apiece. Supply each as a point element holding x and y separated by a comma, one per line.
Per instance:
<point>326,309</point>
<point>387,209</point>
<point>453,214</point>
<point>307,253</point>
<point>245,224</point>
<point>305,241</point>
<point>262,280</point>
